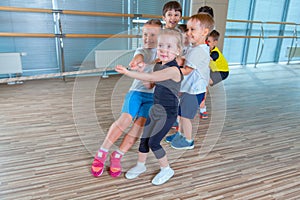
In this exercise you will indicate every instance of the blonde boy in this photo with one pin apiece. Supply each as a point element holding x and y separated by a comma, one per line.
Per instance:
<point>195,81</point>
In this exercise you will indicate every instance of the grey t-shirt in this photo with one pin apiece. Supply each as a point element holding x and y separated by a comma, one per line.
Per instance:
<point>149,58</point>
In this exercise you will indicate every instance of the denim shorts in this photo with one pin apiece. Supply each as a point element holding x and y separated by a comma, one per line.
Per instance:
<point>137,104</point>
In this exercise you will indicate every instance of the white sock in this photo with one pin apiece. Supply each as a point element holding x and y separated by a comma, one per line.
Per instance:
<point>140,167</point>
<point>103,149</point>
<point>140,164</point>
<point>202,110</point>
<point>189,141</point>
<point>120,152</point>
<point>136,170</point>
<point>165,168</point>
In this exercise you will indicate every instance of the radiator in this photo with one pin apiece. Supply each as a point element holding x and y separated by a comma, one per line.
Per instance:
<point>10,63</point>
<point>290,52</point>
<point>108,59</point>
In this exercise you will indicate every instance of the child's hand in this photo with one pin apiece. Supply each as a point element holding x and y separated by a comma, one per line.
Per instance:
<point>180,61</point>
<point>148,84</point>
<point>133,65</point>
<point>156,60</point>
<point>137,66</point>
<point>141,67</point>
<point>121,69</point>
<point>136,62</point>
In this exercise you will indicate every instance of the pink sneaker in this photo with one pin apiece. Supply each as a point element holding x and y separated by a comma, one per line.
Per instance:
<point>115,169</point>
<point>98,163</point>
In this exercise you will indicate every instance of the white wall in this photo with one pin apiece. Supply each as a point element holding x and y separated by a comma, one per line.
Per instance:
<point>220,8</point>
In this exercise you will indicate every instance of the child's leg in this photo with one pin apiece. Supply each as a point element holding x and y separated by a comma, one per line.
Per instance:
<point>134,133</point>
<point>187,127</point>
<point>203,112</point>
<point>145,103</point>
<point>166,172</point>
<point>211,82</point>
<point>189,105</point>
<point>162,128</point>
<point>217,77</point>
<point>143,151</point>
<point>116,130</point>
<point>142,157</point>
<point>128,141</point>
<point>184,140</point>
<point>139,168</point>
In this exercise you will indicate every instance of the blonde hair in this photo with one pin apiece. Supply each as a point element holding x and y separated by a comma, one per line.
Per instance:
<point>176,34</point>
<point>206,21</point>
<point>154,22</point>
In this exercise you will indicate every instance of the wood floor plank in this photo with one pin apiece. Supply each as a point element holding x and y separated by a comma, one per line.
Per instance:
<point>51,129</point>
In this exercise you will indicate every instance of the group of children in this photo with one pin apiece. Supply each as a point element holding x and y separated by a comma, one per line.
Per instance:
<point>167,85</point>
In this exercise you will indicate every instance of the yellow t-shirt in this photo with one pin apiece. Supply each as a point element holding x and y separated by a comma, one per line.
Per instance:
<point>220,64</point>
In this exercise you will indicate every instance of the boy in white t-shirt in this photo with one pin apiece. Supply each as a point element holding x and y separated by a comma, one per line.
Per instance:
<point>196,79</point>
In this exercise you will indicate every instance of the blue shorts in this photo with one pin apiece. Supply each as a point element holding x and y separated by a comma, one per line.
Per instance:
<point>189,104</point>
<point>137,104</point>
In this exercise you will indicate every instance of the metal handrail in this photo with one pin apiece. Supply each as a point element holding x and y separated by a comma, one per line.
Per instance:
<point>262,37</point>
<point>258,55</point>
<point>78,12</point>
<point>291,55</point>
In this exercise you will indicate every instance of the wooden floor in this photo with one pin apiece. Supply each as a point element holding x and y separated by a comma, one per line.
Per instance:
<point>249,148</point>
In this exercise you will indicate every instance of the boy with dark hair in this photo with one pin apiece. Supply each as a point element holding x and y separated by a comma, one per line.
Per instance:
<point>206,9</point>
<point>172,13</point>
<point>219,70</point>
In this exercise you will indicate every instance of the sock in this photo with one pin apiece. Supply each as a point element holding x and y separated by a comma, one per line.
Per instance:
<point>202,110</point>
<point>140,164</point>
<point>103,149</point>
<point>189,141</point>
<point>165,168</point>
<point>120,152</point>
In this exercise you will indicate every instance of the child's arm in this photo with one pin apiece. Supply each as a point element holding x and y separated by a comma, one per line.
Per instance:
<point>186,70</point>
<point>214,55</point>
<point>165,74</point>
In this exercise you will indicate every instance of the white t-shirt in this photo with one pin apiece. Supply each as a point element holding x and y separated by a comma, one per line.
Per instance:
<point>149,58</point>
<point>197,57</point>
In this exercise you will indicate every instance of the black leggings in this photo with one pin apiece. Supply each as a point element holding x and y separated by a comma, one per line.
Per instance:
<point>156,128</point>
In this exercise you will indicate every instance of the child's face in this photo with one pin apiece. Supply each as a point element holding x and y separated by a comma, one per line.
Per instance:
<point>211,42</point>
<point>196,33</point>
<point>150,33</point>
<point>172,18</point>
<point>167,49</point>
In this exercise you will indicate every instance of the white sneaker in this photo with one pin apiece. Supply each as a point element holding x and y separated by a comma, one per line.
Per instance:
<point>135,171</point>
<point>163,176</point>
